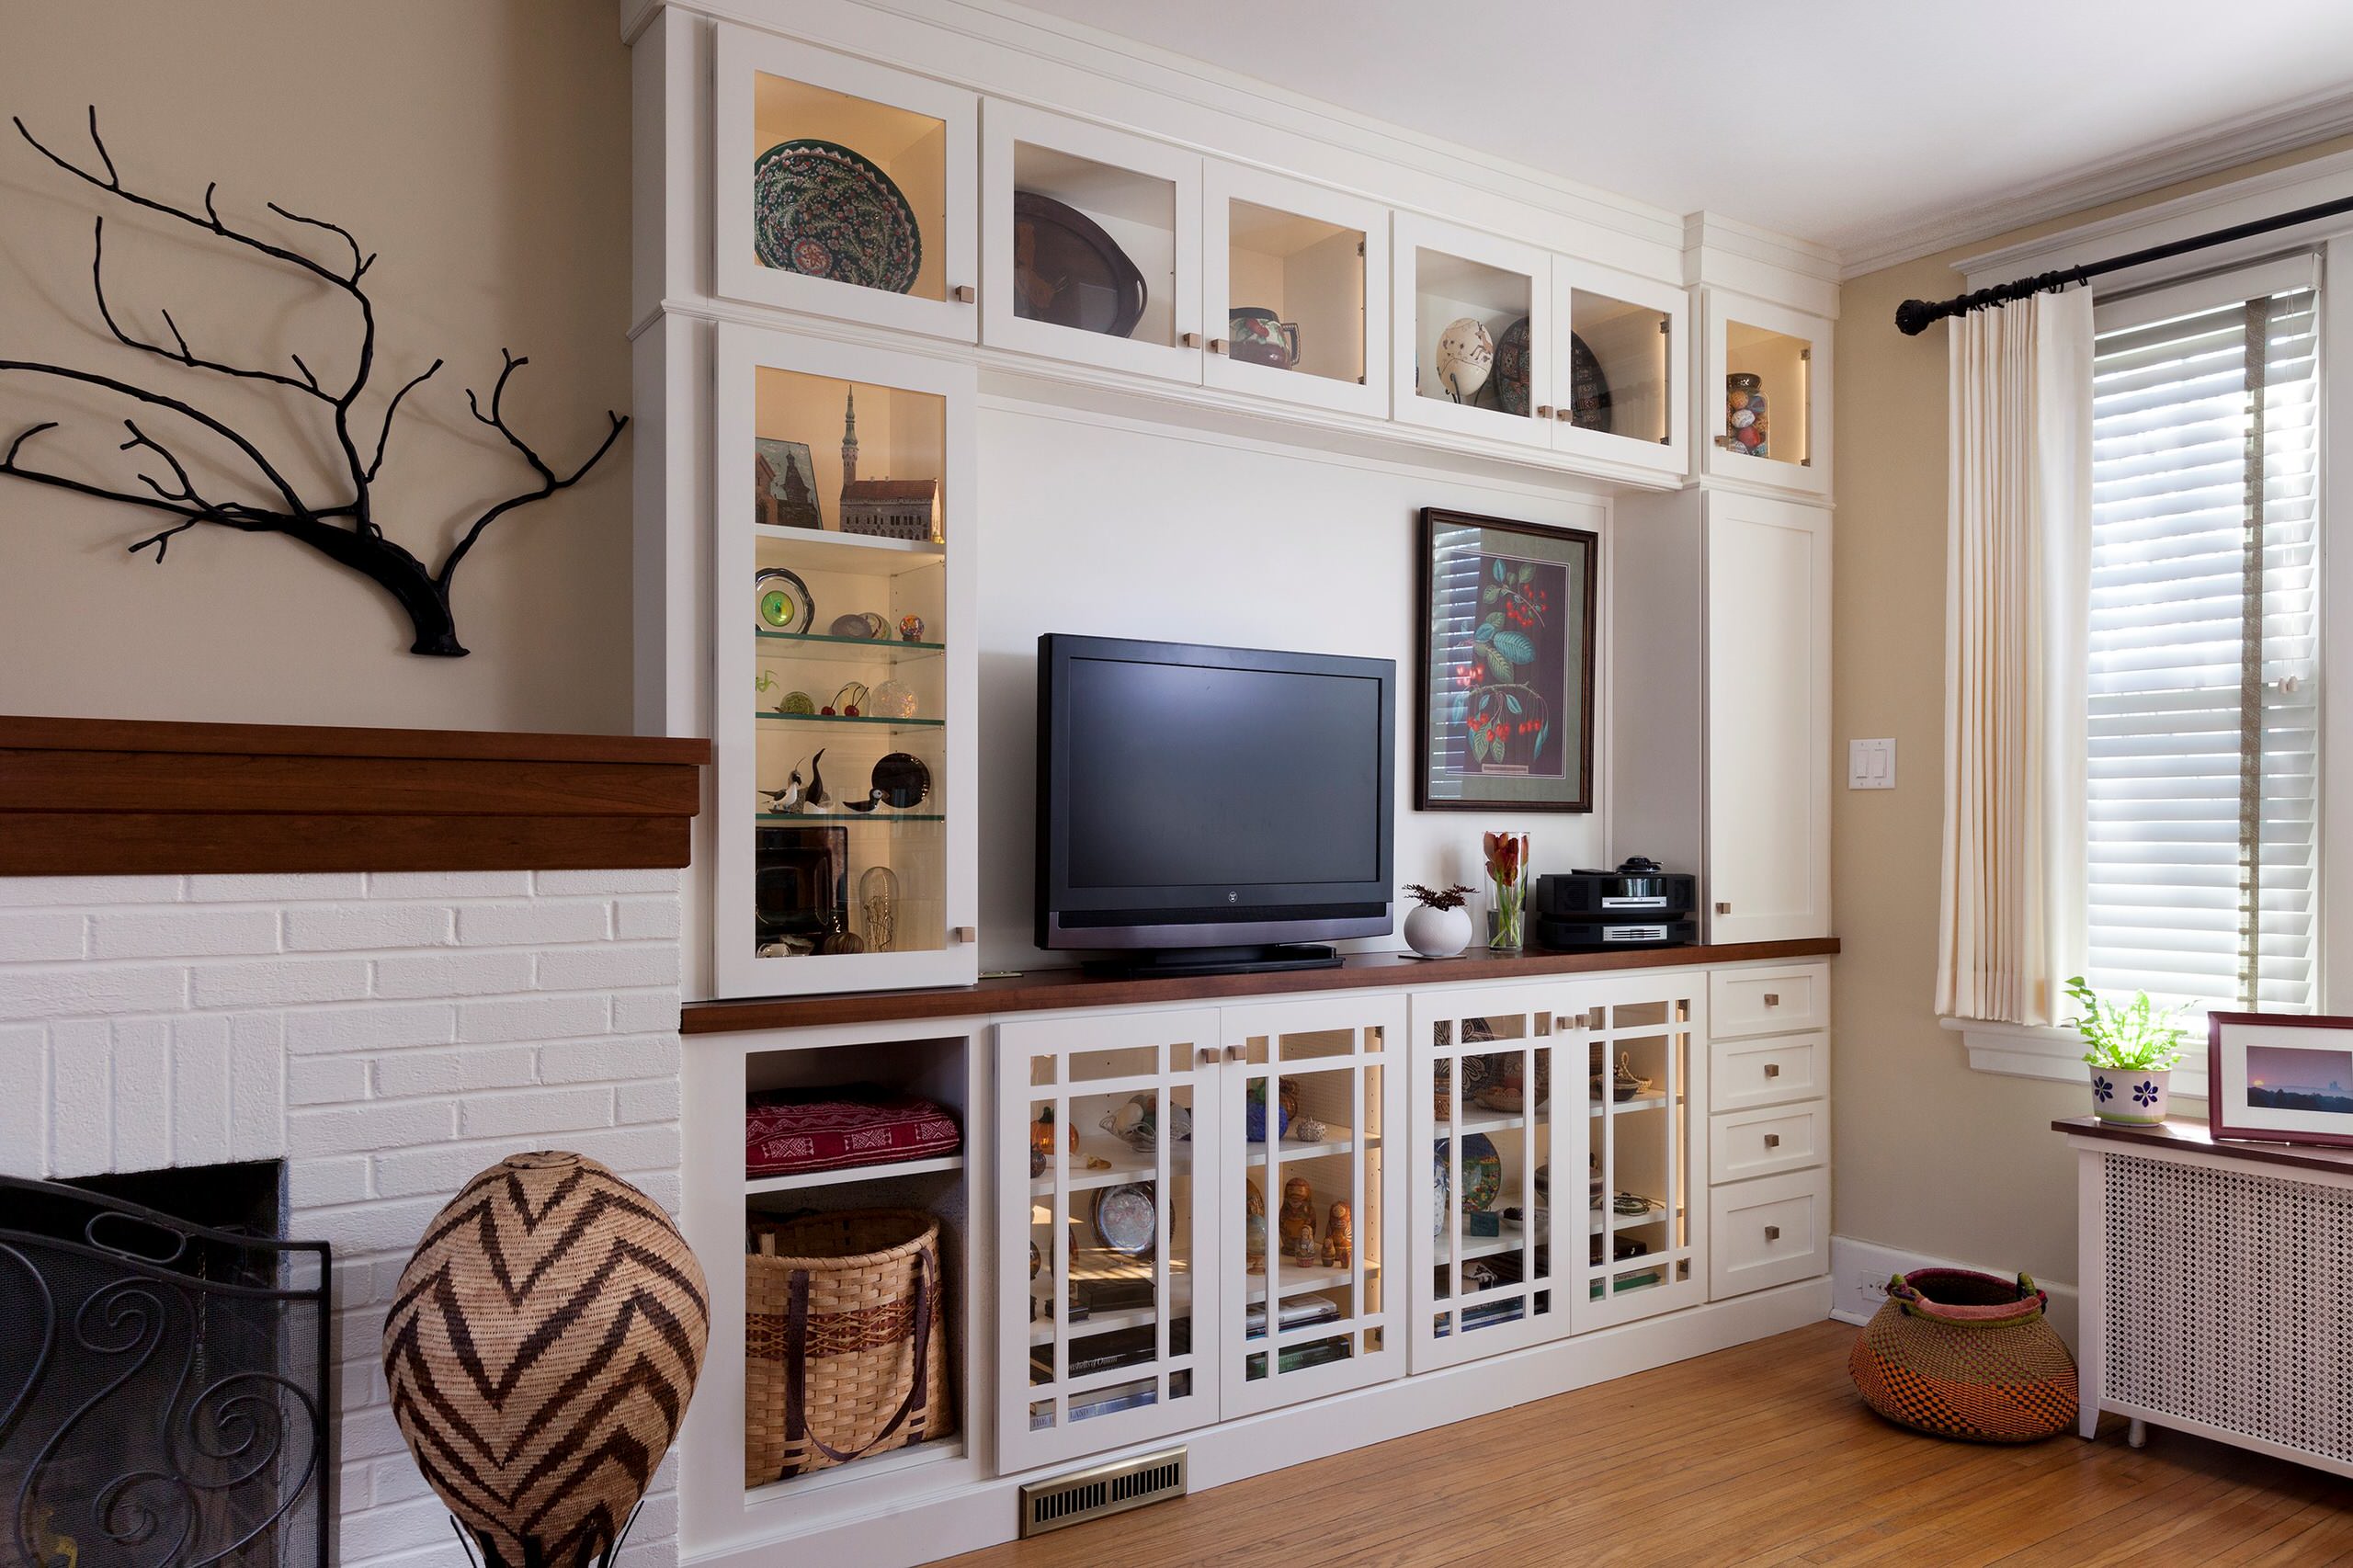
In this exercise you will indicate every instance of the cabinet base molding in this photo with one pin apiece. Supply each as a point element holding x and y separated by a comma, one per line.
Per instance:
<point>988,1513</point>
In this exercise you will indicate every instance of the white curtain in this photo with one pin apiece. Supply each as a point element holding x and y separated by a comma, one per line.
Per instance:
<point>2016,558</point>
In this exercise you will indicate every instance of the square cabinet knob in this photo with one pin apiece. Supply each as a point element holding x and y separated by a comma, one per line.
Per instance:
<point>1772,1232</point>
<point>1772,1140</point>
<point>1772,1069</point>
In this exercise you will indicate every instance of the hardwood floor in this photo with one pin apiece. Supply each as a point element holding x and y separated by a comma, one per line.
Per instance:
<point>1758,1455</point>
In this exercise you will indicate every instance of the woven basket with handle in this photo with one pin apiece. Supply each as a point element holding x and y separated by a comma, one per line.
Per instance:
<point>1966,1355</point>
<point>845,1349</point>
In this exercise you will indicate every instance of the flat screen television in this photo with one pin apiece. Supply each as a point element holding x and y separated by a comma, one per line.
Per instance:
<point>1208,810</point>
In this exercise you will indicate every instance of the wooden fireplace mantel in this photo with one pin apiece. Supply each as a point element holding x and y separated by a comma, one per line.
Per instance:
<point>111,797</point>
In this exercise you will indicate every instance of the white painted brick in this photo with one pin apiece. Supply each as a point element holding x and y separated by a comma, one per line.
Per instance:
<point>532,1017</point>
<point>645,1012</point>
<point>325,1080</point>
<point>314,1183</point>
<point>84,990</point>
<point>655,1100</point>
<point>24,1100</point>
<point>439,1169</point>
<point>452,974</point>
<point>504,1067</point>
<point>371,1532</point>
<point>449,884</point>
<point>641,919</point>
<point>609,968</point>
<point>142,1102</point>
<point>200,1088</point>
<point>350,927</point>
<point>404,1074</point>
<point>81,1098</point>
<point>382,1125</point>
<point>43,935</point>
<point>66,893</point>
<point>372,1226</point>
<point>369,1028</point>
<point>659,1517</point>
<point>664,1187</point>
<point>557,883</point>
<point>397,1479</point>
<point>584,1061</point>
<point>257,1086</point>
<point>355,1488</point>
<point>630,1150</point>
<point>535,1113</point>
<point>183,933</point>
<point>268,982</point>
<point>532,925</point>
<point>276,887</point>
<point>449,1554</point>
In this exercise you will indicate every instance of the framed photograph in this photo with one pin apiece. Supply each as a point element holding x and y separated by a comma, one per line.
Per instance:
<point>2280,1077</point>
<point>1505,703</point>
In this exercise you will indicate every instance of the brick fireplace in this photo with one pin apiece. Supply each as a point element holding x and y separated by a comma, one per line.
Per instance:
<point>384,1029</point>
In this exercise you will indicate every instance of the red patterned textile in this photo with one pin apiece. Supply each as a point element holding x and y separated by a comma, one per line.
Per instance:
<point>789,1132</point>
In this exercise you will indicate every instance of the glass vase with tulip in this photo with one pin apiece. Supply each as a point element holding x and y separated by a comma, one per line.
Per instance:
<point>1507,890</point>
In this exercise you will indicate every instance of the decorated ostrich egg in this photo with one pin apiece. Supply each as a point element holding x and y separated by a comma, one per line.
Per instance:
<point>1465,355</point>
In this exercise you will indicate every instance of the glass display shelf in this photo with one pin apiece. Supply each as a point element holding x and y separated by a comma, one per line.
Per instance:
<point>821,720</point>
<point>846,649</point>
<point>850,818</point>
<point>825,550</point>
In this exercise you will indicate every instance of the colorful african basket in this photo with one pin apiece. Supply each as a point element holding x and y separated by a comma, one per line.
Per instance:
<point>1965,1354</point>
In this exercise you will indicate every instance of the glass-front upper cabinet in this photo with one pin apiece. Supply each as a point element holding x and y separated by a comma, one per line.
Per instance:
<point>844,187</point>
<point>1473,352</point>
<point>1314,1195</point>
<point>1762,407</point>
<point>845,834</point>
<point>1091,243</point>
<point>1107,1210</point>
<point>1296,281</point>
<point>1642,1144</point>
<point>1621,341</point>
<point>1491,1079</point>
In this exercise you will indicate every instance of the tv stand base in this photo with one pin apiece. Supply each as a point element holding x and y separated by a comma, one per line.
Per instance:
<point>1173,963</point>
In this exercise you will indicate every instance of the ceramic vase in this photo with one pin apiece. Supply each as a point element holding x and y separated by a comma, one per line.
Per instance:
<point>1438,933</point>
<point>2134,1097</point>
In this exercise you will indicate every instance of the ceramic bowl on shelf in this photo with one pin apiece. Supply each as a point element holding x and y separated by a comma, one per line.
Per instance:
<point>822,210</point>
<point>1257,337</point>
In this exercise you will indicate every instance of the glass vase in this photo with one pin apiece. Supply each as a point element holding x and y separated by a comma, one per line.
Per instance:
<point>1507,890</point>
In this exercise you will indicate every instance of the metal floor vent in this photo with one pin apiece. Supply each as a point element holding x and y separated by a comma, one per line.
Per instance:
<point>1106,1489</point>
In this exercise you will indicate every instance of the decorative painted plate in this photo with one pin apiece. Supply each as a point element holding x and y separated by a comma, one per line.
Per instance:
<point>1588,388</point>
<point>1066,270</point>
<point>780,600</point>
<point>1513,367</point>
<point>822,210</point>
<point>1482,1172</point>
<point>1126,1220</point>
<point>902,781</point>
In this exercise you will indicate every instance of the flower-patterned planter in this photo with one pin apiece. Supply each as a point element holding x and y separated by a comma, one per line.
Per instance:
<point>2136,1098</point>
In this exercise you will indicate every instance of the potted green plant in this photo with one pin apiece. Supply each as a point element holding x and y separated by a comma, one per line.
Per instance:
<point>2132,1049</point>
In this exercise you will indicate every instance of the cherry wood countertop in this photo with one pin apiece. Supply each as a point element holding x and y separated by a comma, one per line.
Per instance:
<point>1051,989</point>
<point>2187,1136</point>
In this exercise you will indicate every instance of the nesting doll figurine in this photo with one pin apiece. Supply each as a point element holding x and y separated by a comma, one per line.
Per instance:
<point>1340,1237</point>
<point>1299,1220</point>
<point>1254,1246</point>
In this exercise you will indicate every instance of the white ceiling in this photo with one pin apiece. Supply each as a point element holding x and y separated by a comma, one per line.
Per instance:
<point>1871,126</point>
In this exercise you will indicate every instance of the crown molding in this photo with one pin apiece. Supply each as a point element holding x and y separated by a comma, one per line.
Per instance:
<point>2203,152</point>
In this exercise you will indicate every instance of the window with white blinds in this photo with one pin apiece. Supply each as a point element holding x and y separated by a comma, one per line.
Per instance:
<point>2203,766</point>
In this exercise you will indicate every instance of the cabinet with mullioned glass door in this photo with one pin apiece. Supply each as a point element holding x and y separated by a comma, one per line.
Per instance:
<point>846,845</point>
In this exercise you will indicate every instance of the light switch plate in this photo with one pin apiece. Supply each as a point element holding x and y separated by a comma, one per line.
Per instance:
<point>1870,765</point>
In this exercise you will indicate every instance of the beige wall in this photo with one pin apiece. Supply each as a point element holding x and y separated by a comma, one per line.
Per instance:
<point>481,147</point>
<point>1931,1156</point>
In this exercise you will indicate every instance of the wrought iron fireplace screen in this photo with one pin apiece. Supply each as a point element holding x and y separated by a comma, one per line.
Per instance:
<point>163,1389</point>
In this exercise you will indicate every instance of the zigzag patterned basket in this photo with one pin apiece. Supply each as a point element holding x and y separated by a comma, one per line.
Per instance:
<point>845,1340</point>
<point>1965,1354</point>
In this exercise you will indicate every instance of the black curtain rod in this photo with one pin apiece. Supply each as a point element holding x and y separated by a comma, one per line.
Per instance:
<point>1913,316</point>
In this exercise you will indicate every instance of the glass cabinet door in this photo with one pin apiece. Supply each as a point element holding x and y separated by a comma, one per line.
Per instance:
<point>1768,382</point>
<point>844,188</point>
<point>1475,333</point>
<point>1309,1199</point>
<point>1492,1075</point>
<point>1644,1059</point>
<point>846,841</point>
<point>1626,341</point>
<point>1107,1179</point>
<point>1091,243</point>
<point>1296,291</point>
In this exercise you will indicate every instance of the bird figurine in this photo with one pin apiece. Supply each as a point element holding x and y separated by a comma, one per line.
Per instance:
<point>815,799</point>
<point>786,801</point>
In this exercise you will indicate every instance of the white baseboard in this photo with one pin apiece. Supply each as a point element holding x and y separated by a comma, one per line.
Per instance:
<point>1859,1270</point>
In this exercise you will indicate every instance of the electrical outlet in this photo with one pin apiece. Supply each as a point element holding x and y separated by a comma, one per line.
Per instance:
<point>1873,1288</point>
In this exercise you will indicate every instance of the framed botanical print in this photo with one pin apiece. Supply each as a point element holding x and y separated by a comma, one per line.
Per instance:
<point>1504,701</point>
<point>2280,1077</point>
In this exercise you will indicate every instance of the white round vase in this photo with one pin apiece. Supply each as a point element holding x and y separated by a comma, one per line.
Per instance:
<point>2137,1098</point>
<point>1438,933</point>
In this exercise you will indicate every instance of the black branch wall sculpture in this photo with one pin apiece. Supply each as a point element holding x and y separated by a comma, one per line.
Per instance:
<point>346,530</point>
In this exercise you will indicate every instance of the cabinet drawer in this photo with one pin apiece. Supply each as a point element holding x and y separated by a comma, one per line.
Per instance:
<point>1766,1142</point>
<point>1768,1001</point>
<point>1773,1231</point>
<point>1744,1073</point>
